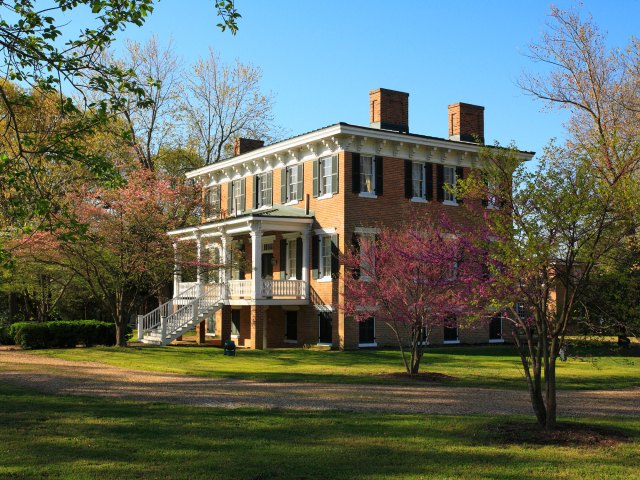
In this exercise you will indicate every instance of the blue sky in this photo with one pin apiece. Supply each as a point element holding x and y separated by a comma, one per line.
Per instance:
<point>321,58</point>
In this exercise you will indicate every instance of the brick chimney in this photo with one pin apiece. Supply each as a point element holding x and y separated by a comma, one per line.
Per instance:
<point>466,122</point>
<point>244,145</point>
<point>389,110</point>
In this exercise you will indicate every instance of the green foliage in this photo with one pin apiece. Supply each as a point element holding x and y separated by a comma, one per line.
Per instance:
<point>62,334</point>
<point>5,336</point>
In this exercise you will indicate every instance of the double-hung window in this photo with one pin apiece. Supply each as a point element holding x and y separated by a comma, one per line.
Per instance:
<point>291,184</point>
<point>419,180</point>
<point>367,175</point>
<point>450,179</point>
<point>325,256</point>
<point>236,197</point>
<point>291,259</point>
<point>212,202</point>
<point>326,174</point>
<point>264,190</point>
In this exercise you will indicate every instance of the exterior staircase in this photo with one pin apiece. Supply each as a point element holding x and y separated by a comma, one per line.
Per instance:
<point>180,314</point>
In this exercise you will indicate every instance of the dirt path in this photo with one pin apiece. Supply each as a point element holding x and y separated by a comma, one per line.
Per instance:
<point>65,377</point>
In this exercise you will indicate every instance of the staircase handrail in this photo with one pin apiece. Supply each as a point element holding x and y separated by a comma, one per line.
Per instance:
<point>152,319</point>
<point>212,296</point>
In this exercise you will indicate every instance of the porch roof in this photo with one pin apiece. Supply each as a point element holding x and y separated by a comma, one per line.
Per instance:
<point>280,218</point>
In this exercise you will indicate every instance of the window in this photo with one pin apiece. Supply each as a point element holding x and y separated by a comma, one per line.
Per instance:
<point>366,246</point>
<point>520,310</point>
<point>450,182</point>
<point>291,325</point>
<point>236,196</point>
<point>495,329</point>
<point>212,202</point>
<point>325,334</point>
<point>451,330</point>
<point>235,323</point>
<point>367,333</point>
<point>325,256</point>
<point>292,250</point>
<point>291,184</point>
<point>419,180</point>
<point>263,190</point>
<point>367,175</point>
<point>325,176</point>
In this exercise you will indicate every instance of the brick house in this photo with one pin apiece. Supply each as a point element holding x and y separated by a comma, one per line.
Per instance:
<point>278,216</point>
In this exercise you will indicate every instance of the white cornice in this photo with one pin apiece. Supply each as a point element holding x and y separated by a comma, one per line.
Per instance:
<point>342,137</point>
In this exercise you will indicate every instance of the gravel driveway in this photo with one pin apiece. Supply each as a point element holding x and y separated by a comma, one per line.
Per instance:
<point>63,377</point>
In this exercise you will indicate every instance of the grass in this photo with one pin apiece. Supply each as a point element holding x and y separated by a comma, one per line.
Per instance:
<point>494,367</point>
<point>76,437</point>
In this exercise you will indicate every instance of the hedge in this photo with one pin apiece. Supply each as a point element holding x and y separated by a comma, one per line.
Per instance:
<point>63,334</point>
<point>5,336</point>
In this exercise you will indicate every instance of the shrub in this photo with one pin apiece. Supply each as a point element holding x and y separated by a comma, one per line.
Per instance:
<point>5,336</point>
<point>63,334</point>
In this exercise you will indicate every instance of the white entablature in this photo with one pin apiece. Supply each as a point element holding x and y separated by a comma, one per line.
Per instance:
<point>337,138</point>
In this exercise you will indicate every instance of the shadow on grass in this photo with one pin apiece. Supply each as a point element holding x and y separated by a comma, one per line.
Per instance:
<point>61,437</point>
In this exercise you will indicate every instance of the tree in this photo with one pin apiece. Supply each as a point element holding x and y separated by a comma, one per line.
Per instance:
<point>221,102</point>
<point>415,278</point>
<point>123,249</point>
<point>151,128</point>
<point>559,222</point>
<point>43,56</point>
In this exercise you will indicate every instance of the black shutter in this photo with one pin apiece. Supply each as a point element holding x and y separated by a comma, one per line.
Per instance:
<point>355,248</point>
<point>299,258</point>
<point>230,197</point>
<point>355,172</point>
<point>334,174</point>
<point>440,183</point>
<point>283,259</point>
<point>254,203</point>
<point>335,257</point>
<point>300,186</point>
<point>379,176</point>
<point>315,252</point>
<point>408,179</point>
<point>316,182</point>
<point>459,176</point>
<point>283,185</point>
<point>429,179</point>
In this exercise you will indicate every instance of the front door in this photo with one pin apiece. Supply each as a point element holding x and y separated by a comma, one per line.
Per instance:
<point>367,332</point>
<point>324,327</point>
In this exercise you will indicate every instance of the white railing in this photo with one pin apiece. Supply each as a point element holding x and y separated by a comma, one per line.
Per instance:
<point>188,313</point>
<point>186,290</point>
<point>241,288</point>
<point>152,319</point>
<point>283,288</point>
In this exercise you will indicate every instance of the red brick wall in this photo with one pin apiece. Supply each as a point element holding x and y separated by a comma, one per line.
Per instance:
<point>466,122</point>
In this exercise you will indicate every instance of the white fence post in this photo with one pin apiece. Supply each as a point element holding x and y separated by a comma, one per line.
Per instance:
<point>163,328</point>
<point>140,328</point>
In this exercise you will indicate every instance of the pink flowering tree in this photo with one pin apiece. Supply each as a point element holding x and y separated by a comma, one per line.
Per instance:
<point>414,279</point>
<point>118,246</point>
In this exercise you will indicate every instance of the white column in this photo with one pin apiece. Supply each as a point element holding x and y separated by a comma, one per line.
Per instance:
<point>306,234</point>
<point>177,270</point>
<point>256,259</point>
<point>199,275</point>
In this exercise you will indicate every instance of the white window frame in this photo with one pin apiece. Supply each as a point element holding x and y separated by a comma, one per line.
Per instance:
<point>521,312</point>
<point>291,177</point>
<point>236,195</point>
<point>450,179</point>
<point>457,340</point>
<point>324,246</point>
<point>264,185</point>
<point>213,193</point>
<point>325,189</point>
<point>291,266</point>
<point>422,194</point>
<point>371,175</point>
<point>375,343</point>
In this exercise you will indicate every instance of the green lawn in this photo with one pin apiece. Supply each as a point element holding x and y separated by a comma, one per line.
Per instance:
<point>76,437</point>
<point>495,366</point>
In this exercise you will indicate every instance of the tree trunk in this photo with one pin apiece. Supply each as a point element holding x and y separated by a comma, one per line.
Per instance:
<point>550,381</point>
